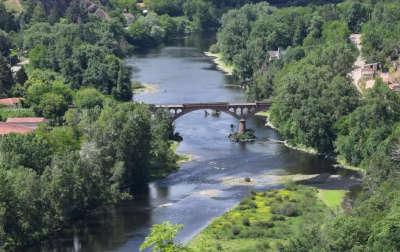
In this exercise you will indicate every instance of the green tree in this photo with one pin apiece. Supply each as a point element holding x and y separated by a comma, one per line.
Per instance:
<point>19,150</point>
<point>5,44</point>
<point>87,98</point>
<point>161,238</point>
<point>6,80</point>
<point>364,130</point>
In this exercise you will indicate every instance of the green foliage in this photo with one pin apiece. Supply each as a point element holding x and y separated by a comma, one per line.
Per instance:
<point>88,98</point>
<point>49,98</point>
<point>85,55</point>
<point>151,30</point>
<point>21,76</point>
<point>161,238</point>
<point>6,80</point>
<point>170,7</point>
<point>15,112</point>
<point>7,21</point>
<point>362,132</point>
<point>5,44</point>
<point>381,33</point>
<point>263,227</point>
<point>309,102</point>
<point>18,151</point>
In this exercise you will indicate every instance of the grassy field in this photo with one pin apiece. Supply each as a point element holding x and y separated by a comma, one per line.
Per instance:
<point>263,221</point>
<point>332,198</point>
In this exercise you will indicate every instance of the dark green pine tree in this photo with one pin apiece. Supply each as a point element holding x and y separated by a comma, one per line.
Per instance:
<point>6,80</point>
<point>20,76</point>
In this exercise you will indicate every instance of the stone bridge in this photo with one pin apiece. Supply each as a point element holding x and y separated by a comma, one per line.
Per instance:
<point>240,111</point>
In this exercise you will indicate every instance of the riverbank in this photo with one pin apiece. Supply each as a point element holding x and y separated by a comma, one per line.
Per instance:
<point>302,148</point>
<point>340,162</point>
<point>264,220</point>
<point>182,158</point>
<point>221,65</point>
<point>145,88</point>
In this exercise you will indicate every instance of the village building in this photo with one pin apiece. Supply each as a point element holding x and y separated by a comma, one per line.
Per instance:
<point>9,128</point>
<point>14,102</point>
<point>274,55</point>
<point>369,71</point>
<point>31,122</point>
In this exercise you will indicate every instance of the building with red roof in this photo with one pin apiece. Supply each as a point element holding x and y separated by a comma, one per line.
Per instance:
<point>11,102</point>
<point>8,128</point>
<point>27,121</point>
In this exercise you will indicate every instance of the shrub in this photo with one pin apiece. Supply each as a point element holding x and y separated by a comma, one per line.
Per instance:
<point>266,224</point>
<point>235,230</point>
<point>278,217</point>
<point>288,209</point>
<point>262,246</point>
<point>214,48</point>
<point>246,222</point>
<point>252,205</point>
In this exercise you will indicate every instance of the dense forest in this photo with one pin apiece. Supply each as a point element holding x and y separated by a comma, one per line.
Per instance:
<point>98,147</point>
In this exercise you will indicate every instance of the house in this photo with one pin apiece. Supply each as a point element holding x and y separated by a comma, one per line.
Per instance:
<point>274,55</point>
<point>395,87</point>
<point>14,102</point>
<point>31,122</point>
<point>369,70</point>
<point>8,128</point>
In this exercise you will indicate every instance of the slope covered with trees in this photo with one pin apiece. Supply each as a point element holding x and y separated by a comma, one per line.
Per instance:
<point>98,147</point>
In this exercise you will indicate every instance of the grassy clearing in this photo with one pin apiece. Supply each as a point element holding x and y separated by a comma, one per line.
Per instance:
<point>332,198</point>
<point>262,221</point>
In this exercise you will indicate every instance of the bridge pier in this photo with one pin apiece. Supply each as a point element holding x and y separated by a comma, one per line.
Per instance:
<point>242,126</point>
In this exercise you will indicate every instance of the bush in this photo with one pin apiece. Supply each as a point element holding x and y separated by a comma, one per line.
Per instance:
<point>214,48</point>
<point>288,209</point>
<point>246,222</point>
<point>235,230</point>
<point>266,224</point>
<point>278,217</point>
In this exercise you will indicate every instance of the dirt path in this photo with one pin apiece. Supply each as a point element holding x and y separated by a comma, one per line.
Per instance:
<point>359,63</point>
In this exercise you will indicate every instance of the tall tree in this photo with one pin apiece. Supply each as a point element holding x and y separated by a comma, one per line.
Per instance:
<point>6,80</point>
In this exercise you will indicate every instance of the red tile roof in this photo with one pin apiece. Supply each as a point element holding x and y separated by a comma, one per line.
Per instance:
<point>26,120</point>
<point>8,128</point>
<point>10,101</point>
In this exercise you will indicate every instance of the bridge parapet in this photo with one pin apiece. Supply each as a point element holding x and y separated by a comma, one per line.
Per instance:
<point>240,110</point>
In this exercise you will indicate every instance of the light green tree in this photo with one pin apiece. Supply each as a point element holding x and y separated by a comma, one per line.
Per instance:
<point>161,238</point>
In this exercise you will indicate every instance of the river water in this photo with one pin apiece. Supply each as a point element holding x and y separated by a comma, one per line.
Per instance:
<point>213,182</point>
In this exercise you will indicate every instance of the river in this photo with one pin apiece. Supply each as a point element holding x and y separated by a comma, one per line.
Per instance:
<point>213,182</point>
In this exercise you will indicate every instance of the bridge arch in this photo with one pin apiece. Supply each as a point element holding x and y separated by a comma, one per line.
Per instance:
<point>240,111</point>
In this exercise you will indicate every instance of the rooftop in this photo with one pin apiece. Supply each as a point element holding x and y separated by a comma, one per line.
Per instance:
<point>26,120</point>
<point>8,128</point>
<point>10,101</point>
